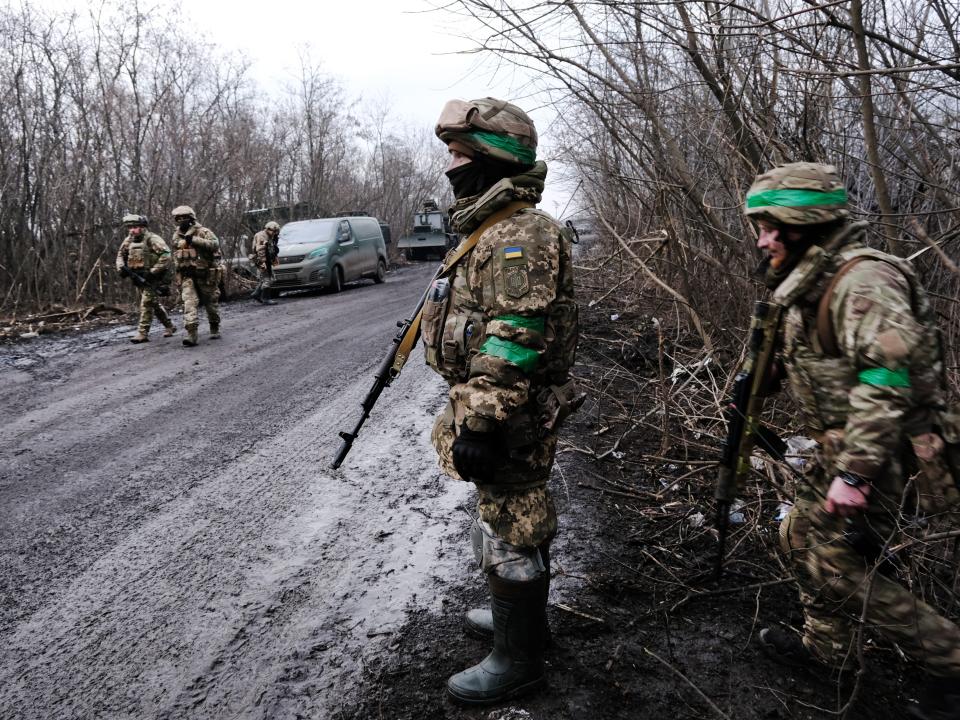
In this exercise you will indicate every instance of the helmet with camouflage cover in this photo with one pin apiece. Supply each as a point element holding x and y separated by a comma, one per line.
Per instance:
<point>272,226</point>
<point>133,220</point>
<point>184,211</point>
<point>800,193</point>
<point>491,127</point>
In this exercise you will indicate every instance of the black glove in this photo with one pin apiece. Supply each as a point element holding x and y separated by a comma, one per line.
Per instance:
<point>124,271</point>
<point>477,455</point>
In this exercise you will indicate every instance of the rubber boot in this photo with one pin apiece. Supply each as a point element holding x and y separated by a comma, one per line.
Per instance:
<point>940,700</point>
<point>516,664</point>
<point>191,339</point>
<point>265,297</point>
<point>478,622</point>
<point>169,330</point>
<point>215,332</point>
<point>140,337</point>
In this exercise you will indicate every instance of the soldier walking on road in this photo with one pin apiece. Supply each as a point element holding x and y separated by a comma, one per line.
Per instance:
<point>263,254</point>
<point>145,258</point>
<point>197,258</point>
<point>862,354</point>
<point>503,334</point>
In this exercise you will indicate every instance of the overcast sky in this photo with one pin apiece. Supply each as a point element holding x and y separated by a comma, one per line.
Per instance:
<point>402,51</point>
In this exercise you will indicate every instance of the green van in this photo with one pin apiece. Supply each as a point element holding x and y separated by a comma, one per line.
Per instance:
<point>328,252</point>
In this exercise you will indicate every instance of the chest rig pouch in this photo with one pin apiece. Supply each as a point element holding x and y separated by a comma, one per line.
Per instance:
<point>137,256</point>
<point>451,331</point>
<point>187,259</point>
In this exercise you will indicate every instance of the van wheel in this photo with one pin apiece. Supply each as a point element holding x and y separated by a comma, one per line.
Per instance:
<point>381,272</point>
<point>336,280</point>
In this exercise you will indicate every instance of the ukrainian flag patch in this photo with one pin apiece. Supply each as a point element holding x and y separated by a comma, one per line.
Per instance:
<point>513,253</point>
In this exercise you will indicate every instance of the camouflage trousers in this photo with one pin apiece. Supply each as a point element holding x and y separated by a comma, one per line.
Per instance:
<point>195,293</point>
<point>518,508</point>
<point>150,304</point>
<point>264,278</point>
<point>835,562</point>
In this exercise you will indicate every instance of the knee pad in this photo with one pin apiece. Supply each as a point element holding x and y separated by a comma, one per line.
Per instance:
<point>503,560</point>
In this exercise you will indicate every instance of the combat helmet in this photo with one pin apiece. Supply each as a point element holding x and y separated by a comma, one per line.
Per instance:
<point>272,226</point>
<point>799,193</point>
<point>134,220</point>
<point>490,127</point>
<point>183,210</point>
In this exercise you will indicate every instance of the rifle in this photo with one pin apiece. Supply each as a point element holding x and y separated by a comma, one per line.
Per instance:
<point>743,418</point>
<point>141,282</point>
<point>137,278</point>
<point>390,367</point>
<point>272,250</point>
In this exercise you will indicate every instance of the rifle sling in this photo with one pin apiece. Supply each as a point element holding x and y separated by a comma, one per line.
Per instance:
<point>413,332</point>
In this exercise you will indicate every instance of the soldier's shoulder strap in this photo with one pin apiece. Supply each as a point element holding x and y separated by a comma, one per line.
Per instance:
<point>825,329</point>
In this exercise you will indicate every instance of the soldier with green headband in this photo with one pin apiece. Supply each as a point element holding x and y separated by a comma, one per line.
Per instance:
<point>502,331</point>
<point>860,348</point>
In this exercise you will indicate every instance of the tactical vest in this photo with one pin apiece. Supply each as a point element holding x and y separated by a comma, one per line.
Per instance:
<point>140,254</point>
<point>822,381</point>
<point>190,260</point>
<point>456,318</point>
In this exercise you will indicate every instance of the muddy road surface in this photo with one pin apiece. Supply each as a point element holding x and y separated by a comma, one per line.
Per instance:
<point>172,542</point>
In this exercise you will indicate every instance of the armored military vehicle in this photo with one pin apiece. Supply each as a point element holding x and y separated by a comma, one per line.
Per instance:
<point>431,236</point>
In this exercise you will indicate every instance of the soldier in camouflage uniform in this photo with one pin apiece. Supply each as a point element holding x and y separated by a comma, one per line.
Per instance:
<point>503,332</point>
<point>199,265</point>
<point>861,351</point>
<point>263,254</point>
<point>146,254</point>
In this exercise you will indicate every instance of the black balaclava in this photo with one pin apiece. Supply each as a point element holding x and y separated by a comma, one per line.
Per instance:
<point>479,174</point>
<point>186,225</point>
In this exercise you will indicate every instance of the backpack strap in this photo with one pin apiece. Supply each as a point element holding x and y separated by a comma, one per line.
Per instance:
<point>825,330</point>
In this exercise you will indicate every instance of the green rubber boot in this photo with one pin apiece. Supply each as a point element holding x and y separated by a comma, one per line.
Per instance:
<point>516,664</point>
<point>478,622</point>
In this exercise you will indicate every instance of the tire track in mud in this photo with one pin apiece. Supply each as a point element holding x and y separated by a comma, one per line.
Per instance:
<point>255,586</point>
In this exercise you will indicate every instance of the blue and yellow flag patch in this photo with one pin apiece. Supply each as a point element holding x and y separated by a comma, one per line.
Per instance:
<point>513,253</point>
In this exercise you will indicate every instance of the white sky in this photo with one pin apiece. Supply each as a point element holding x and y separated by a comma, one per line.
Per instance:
<point>401,51</point>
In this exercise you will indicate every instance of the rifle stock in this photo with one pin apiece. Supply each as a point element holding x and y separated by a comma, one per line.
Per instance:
<point>389,369</point>
<point>743,419</point>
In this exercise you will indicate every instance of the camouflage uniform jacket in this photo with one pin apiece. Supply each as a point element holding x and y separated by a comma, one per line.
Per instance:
<point>887,381</point>
<point>262,250</point>
<point>199,257</point>
<point>505,340</point>
<point>146,253</point>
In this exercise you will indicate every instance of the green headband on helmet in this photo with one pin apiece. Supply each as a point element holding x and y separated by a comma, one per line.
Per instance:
<point>508,144</point>
<point>796,198</point>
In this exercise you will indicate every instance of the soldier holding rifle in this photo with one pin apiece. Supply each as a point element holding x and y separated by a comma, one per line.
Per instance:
<point>263,254</point>
<point>499,323</point>
<point>860,349</point>
<point>145,258</point>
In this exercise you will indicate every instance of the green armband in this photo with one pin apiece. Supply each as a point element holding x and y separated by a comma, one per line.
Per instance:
<point>519,321</point>
<point>881,377</point>
<point>523,357</point>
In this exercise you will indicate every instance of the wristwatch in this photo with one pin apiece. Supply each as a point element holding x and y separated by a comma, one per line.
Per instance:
<point>852,479</point>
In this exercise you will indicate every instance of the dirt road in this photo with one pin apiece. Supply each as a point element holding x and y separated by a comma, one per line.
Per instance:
<point>172,542</point>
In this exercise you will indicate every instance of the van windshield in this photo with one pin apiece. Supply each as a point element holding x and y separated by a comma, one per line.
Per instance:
<point>307,231</point>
